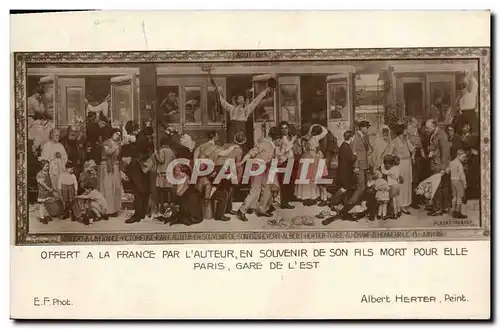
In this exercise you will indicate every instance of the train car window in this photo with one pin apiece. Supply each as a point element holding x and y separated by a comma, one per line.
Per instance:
<point>169,104</point>
<point>192,104</point>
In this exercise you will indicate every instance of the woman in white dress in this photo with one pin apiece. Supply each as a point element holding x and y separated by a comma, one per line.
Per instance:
<point>309,193</point>
<point>403,149</point>
<point>54,152</point>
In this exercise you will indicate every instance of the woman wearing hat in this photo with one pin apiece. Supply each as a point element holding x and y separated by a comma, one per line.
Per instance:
<point>403,149</point>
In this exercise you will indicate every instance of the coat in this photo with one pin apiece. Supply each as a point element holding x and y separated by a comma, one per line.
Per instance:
<point>345,170</point>
<point>439,151</point>
<point>455,145</point>
<point>362,149</point>
<point>138,179</point>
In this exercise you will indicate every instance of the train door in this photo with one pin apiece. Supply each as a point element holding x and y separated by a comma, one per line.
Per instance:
<point>265,114</point>
<point>124,100</point>
<point>340,110</point>
<point>289,102</point>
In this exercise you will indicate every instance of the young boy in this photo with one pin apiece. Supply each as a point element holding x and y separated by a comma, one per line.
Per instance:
<point>458,183</point>
<point>390,171</point>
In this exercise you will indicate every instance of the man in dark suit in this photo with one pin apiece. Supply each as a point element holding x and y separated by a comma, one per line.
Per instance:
<point>346,179</point>
<point>132,155</point>
<point>439,157</point>
<point>362,149</point>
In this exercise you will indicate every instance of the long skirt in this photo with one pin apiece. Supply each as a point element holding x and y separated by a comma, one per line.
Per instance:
<point>190,211</point>
<point>110,186</point>
<point>311,190</point>
<point>405,168</point>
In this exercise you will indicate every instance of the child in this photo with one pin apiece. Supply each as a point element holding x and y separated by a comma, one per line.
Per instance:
<point>67,186</point>
<point>391,171</point>
<point>164,157</point>
<point>45,191</point>
<point>89,174</point>
<point>96,207</point>
<point>458,183</point>
<point>382,193</point>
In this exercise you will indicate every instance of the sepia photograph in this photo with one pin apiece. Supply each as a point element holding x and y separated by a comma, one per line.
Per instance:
<point>252,159</point>
<point>314,141</point>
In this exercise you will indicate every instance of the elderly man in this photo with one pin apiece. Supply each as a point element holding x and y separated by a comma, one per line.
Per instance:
<point>418,159</point>
<point>439,156</point>
<point>74,147</point>
<point>265,151</point>
<point>362,150</point>
<point>239,113</point>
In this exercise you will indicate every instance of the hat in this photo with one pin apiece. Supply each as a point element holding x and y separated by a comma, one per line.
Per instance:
<point>89,164</point>
<point>364,123</point>
<point>271,83</point>
<point>43,161</point>
<point>240,138</point>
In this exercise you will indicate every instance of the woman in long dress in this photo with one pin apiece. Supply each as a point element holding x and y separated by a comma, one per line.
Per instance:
<point>110,183</point>
<point>382,146</point>
<point>54,152</point>
<point>403,149</point>
<point>309,193</point>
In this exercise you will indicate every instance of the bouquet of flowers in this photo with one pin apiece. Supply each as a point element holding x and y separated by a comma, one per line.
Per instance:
<point>428,187</point>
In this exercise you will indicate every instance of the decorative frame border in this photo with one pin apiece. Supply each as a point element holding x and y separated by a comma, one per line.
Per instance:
<point>22,59</point>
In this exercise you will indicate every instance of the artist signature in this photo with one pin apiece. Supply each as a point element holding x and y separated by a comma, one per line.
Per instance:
<point>452,222</point>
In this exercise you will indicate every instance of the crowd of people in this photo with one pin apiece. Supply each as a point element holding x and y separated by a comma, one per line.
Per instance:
<point>87,180</point>
<point>389,174</point>
<point>83,177</point>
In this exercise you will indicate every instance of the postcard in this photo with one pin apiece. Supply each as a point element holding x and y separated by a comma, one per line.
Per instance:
<point>339,176</point>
